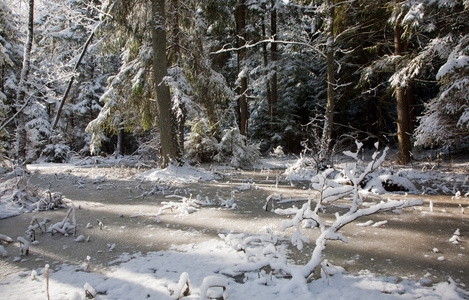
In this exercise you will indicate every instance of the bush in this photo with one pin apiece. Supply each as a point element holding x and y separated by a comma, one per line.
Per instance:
<point>57,153</point>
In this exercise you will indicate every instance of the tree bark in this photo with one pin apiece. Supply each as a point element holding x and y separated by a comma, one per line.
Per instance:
<point>403,119</point>
<point>169,144</point>
<point>21,93</point>
<point>243,104</point>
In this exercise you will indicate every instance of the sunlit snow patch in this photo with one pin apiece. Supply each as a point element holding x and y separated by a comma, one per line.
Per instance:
<point>184,174</point>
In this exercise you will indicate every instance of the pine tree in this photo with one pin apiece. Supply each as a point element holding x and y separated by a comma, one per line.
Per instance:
<point>445,120</point>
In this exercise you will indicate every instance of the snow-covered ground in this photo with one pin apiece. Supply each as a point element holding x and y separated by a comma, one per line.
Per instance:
<point>153,275</point>
<point>212,265</point>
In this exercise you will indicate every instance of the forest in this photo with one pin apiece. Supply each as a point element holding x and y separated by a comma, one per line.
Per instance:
<point>231,80</point>
<point>234,149</point>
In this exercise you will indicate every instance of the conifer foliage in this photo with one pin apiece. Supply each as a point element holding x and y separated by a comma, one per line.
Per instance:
<point>189,75</point>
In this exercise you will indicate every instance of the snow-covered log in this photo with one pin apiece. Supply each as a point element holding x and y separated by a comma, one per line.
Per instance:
<point>5,238</point>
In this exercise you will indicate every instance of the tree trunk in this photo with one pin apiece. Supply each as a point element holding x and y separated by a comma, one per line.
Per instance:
<point>329,116</point>
<point>243,104</point>
<point>169,144</point>
<point>2,79</point>
<point>174,60</point>
<point>20,96</point>
<point>120,143</point>
<point>273,49</point>
<point>175,53</point>
<point>403,120</point>
<point>265,57</point>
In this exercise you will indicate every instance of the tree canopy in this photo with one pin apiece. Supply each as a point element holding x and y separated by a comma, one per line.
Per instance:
<point>230,80</point>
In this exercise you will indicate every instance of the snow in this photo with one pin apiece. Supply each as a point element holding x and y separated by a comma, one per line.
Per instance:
<point>173,173</point>
<point>451,64</point>
<point>153,275</point>
<point>231,266</point>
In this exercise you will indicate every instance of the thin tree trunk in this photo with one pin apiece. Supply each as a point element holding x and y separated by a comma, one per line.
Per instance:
<point>273,49</point>
<point>329,116</point>
<point>169,144</point>
<point>181,118</point>
<point>243,104</point>
<point>266,63</point>
<point>20,96</point>
<point>120,143</point>
<point>403,120</point>
<point>2,80</point>
<point>70,82</point>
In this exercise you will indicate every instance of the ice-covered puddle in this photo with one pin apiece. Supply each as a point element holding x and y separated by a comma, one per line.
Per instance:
<point>411,245</point>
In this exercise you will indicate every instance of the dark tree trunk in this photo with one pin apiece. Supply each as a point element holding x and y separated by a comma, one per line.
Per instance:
<point>265,57</point>
<point>169,144</point>
<point>403,119</point>
<point>273,80</point>
<point>120,143</point>
<point>243,104</point>
<point>21,93</point>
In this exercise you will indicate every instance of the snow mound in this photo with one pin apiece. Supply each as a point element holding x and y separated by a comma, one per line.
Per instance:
<point>183,174</point>
<point>384,183</point>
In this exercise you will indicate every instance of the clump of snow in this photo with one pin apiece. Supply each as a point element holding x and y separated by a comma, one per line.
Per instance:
<point>456,238</point>
<point>383,183</point>
<point>179,174</point>
<point>303,169</point>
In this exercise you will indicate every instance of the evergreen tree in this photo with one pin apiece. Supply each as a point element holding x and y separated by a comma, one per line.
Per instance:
<point>445,120</point>
<point>10,62</point>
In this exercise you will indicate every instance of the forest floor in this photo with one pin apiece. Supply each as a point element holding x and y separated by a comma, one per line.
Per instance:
<point>413,245</point>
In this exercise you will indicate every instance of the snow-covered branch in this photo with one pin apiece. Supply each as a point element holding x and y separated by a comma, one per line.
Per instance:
<point>329,191</point>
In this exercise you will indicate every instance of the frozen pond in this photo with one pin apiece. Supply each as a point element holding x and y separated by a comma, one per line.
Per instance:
<point>413,244</point>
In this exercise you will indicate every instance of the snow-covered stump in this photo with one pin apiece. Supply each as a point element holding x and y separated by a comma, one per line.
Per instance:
<point>182,288</point>
<point>24,245</point>
<point>90,292</point>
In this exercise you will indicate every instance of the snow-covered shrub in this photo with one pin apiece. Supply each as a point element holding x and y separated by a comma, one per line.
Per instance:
<point>57,153</point>
<point>38,129</point>
<point>16,194</point>
<point>278,152</point>
<point>234,146</point>
<point>304,168</point>
<point>201,146</point>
